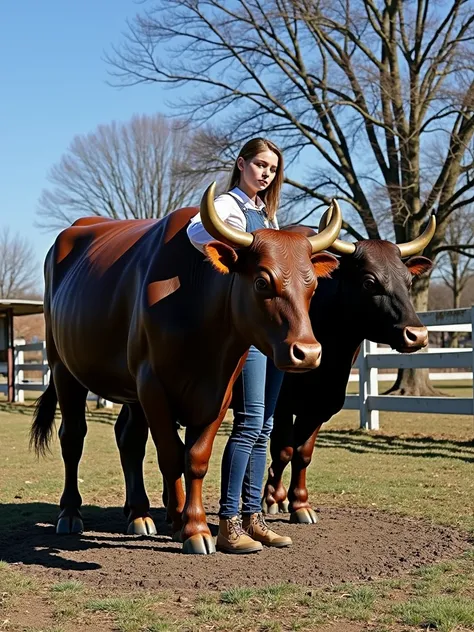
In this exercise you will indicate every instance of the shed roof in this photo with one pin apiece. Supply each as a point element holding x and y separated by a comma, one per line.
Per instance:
<point>21,307</point>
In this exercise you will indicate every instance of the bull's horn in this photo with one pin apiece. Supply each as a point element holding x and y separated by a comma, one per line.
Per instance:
<point>418,244</point>
<point>217,227</point>
<point>324,239</point>
<point>338,246</point>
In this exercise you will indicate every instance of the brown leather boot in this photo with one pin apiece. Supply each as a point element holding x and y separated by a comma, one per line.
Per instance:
<point>258,529</point>
<point>231,538</point>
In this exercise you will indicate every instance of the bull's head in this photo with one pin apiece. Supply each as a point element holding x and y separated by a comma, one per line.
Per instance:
<point>275,276</point>
<point>377,287</point>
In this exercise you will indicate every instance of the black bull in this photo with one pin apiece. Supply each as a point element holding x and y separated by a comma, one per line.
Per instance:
<point>366,298</point>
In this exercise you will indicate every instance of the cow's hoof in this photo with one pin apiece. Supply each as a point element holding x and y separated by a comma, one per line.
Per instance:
<point>69,524</point>
<point>142,526</point>
<point>199,544</point>
<point>306,515</point>
<point>271,510</point>
<point>283,506</point>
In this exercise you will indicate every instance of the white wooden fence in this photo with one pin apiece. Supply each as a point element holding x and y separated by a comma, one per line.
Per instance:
<point>370,360</point>
<point>41,366</point>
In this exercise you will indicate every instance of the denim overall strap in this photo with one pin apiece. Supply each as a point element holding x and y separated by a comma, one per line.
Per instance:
<point>255,219</point>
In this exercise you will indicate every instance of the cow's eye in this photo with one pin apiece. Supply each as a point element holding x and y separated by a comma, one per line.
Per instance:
<point>261,284</point>
<point>369,285</point>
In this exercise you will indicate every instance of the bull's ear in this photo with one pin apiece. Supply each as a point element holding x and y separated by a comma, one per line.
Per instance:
<point>222,256</point>
<point>324,264</point>
<point>418,265</point>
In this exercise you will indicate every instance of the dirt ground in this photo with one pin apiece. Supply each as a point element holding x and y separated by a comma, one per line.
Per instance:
<point>346,545</point>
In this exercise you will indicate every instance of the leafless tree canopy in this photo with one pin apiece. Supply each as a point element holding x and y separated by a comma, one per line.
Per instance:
<point>18,266</point>
<point>140,169</point>
<point>380,91</point>
<point>456,259</point>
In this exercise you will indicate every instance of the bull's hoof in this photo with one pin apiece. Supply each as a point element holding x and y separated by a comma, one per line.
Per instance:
<point>142,526</point>
<point>306,515</point>
<point>275,508</point>
<point>69,524</point>
<point>199,544</point>
<point>271,510</point>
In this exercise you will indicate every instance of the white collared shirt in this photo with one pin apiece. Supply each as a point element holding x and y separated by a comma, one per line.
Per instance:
<point>230,212</point>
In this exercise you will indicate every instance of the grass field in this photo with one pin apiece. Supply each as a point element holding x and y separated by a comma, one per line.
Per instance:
<point>419,466</point>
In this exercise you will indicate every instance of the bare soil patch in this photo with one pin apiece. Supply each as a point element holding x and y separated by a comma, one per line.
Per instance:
<point>347,544</point>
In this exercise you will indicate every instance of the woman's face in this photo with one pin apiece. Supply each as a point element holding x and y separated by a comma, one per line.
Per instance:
<point>257,173</point>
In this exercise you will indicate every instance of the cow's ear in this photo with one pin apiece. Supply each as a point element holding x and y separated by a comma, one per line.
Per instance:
<point>222,257</point>
<point>418,265</point>
<point>324,264</point>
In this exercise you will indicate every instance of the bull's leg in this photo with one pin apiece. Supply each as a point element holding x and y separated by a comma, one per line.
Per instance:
<point>168,444</point>
<point>300,509</point>
<point>131,433</point>
<point>281,452</point>
<point>72,401</point>
<point>195,533</point>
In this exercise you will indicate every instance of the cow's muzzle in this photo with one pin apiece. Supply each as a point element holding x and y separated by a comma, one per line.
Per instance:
<point>413,339</point>
<point>298,356</point>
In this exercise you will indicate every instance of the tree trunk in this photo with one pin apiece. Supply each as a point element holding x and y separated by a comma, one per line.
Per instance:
<point>416,382</point>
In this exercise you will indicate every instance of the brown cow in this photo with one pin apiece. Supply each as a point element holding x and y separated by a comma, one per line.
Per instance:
<point>137,315</point>
<point>367,297</point>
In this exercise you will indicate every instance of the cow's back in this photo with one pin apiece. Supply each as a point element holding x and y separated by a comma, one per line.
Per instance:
<point>96,274</point>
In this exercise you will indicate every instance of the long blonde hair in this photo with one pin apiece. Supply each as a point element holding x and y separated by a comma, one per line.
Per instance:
<point>271,195</point>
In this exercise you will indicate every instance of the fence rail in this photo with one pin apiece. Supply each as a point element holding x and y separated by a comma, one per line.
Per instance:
<point>371,358</point>
<point>39,385</point>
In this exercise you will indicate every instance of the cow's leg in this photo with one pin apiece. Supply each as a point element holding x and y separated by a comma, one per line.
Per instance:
<point>72,402</point>
<point>300,509</point>
<point>281,452</point>
<point>168,444</point>
<point>131,433</point>
<point>195,533</point>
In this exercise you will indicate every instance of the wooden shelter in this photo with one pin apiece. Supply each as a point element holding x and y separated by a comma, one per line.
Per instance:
<point>9,309</point>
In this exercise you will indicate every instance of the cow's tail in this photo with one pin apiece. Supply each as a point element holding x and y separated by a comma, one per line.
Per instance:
<point>43,419</point>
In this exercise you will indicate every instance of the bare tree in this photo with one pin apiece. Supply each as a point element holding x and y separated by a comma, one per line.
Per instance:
<point>139,169</point>
<point>456,261</point>
<point>380,94</point>
<point>18,266</point>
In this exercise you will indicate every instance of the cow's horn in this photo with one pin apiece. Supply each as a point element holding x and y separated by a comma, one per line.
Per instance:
<point>217,227</point>
<point>326,237</point>
<point>338,246</point>
<point>418,244</point>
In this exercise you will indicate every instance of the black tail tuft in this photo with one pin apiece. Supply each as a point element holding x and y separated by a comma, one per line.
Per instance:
<point>43,419</point>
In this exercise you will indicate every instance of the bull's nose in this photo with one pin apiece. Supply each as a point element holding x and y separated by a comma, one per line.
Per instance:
<point>305,356</point>
<point>416,337</point>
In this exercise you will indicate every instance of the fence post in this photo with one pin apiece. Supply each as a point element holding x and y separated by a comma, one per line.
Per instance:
<point>46,369</point>
<point>472,353</point>
<point>368,385</point>
<point>19,358</point>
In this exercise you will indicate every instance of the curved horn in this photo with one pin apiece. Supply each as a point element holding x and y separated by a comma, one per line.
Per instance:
<point>217,227</point>
<point>418,244</point>
<point>325,238</point>
<point>338,246</point>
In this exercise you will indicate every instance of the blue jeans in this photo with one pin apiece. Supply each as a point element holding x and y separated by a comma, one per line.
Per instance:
<point>243,464</point>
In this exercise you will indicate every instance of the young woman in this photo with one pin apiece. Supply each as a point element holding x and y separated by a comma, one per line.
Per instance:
<point>250,204</point>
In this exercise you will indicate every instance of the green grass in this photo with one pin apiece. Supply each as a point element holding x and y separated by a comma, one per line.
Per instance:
<point>418,466</point>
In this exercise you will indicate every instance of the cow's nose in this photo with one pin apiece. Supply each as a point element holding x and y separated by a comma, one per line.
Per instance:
<point>416,337</point>
<point>305,356</point>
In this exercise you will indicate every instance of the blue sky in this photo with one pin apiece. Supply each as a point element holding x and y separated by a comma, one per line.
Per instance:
<point>54,87</point>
